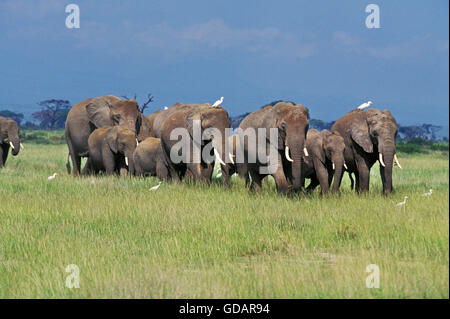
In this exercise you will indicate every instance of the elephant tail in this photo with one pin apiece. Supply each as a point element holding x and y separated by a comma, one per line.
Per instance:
<point>68,164</point>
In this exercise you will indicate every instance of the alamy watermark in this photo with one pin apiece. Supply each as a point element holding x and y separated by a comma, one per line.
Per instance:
<point>373,279</point>
<point>373,19</point>
<point>73,280</point>
<point>73,19</point>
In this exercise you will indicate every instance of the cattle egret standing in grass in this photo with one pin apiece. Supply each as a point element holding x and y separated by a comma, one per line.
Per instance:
<point>154,188</point>
<point>365,105</point>
<point>429,193</point>
<point>402,203</point>
<point>51,177</point>
<point>218,102</point>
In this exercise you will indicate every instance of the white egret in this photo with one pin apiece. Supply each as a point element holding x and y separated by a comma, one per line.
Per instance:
<point>52,177</point>
<point>402,203</point>
<point>365,105</point>
<point>429,193</point>
<point>218,102</point>
<point>154,188</point>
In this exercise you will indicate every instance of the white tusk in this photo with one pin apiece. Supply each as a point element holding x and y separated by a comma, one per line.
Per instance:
<point>231,158</point>
<point>397,162</point>
<point>380,157</point>
<point>10,143</point>
<point>286,153</point>
<point>21,146</point>
<point>137,142</point>
<point>305,151</point>
<point>126,160</point>
<point>345,166</point>
<point>334,166</point>
<point>218,157</point>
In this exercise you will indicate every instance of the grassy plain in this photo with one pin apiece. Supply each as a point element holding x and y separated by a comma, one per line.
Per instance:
<point>198,241</point>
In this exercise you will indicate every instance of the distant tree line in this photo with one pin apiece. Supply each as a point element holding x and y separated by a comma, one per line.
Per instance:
<point>53,113</point>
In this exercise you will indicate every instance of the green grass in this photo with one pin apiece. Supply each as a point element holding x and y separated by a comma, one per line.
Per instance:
<point>187,241</point>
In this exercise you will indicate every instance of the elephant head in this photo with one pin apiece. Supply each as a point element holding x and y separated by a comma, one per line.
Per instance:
<point>211,118</point>
<point>333,146</point>
<point>292,122</point>
<point>9,133</point>
<point>111,111</point>
<point>376,132</point>
<point>122,142</point>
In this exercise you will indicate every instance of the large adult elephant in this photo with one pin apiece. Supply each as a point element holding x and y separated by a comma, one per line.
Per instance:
<point>183,117</point>
<point>86,116</point>
<point>291,122</point>
<point>9,138</point>
<point>369,136</point>
<point>325,163</point>
<point>161,116</point>
<point>151,119</point>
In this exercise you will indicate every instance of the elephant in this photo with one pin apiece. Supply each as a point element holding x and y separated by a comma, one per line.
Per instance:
<point>145,130</point>
<point>86,116</point>
<point>111,150</point>
<point>183,117</point>
<point>234,145</point>
<point>149,159</point>
<point>151,119</point>
<point>291,122</point>
<point>9,138</point>
<point>160,117</point>
<point>369,136</point>
<point>325,160</point>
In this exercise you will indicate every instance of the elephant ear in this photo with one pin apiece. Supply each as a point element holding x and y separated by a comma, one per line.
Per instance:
<point>99,112</point>
<point>359,131</point>
<point>111,139</point>
<point>281,134</point>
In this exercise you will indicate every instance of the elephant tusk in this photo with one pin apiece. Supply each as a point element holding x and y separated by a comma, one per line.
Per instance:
<point>305,151</point>
<point>12,145</point>
<point>380,158</point>
<point>126,160</point>
<point>345,166</point>
<point>137,142</point>
<point>397,162</point>
<point>218,157</point>
<point>21,146</point>
<point>334,166</point>
<point>231,158</point>
<point>286,153</point>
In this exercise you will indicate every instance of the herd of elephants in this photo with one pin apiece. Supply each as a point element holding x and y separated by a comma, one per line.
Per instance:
<point>117,138</point>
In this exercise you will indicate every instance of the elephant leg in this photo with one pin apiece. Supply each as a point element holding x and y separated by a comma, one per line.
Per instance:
<point>207,171</point>
<point>5,154</point>
<point>76,160</point>
<point>162,171</point>
<point>363,177</point>
<point>352,181</point>
<point>256,182</point>
<point>321,175</point>
<point>109,160</point>
<point>2,161</point>
<point>280,179</point>
<point>242,171</point>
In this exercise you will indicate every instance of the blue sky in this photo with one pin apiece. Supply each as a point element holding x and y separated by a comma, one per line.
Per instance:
<point>318,53</point>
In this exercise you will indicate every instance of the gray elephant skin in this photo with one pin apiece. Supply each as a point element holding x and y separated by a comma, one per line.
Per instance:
<point>369,137</point>
<point>149,159</point>
<point>291,122</point>
<point>325,161</point>
<point>111,150</point>
<point>9,138</point>
<point>86,116</point>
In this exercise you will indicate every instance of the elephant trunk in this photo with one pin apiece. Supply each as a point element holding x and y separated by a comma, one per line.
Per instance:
<point>338,171</point>
<point>386,159</point>
<point>14,142</point>
<point>129,161</point>
<point>296,164</point>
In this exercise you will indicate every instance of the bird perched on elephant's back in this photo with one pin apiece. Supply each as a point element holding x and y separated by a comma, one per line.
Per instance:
<point>325,160</point>
<point>9,138</point>
<point>186,117</point>
<point>111,150</point>
<point>149,159</point>
<point>291,122</point>
<point>369,136</point>
<point>86,116</point>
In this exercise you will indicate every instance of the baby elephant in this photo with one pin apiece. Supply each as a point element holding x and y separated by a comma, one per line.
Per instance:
<point>325,161</point>
<point>111,150</point>
<point>149,159</point>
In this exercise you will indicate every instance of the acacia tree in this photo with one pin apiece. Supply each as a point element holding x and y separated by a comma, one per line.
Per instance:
<point>144,105</point>
<point>53,113</point>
